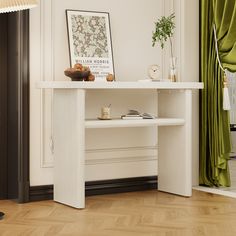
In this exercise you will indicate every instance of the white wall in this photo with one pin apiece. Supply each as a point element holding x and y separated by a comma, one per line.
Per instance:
<point>188,51</point>
<point>115,153</point>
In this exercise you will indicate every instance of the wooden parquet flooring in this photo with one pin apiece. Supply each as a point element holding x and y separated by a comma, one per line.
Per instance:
<point>149,213</point>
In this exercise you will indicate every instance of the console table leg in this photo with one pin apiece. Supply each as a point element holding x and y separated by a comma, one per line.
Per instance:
<point>175,149</point>
<point>69,129</point>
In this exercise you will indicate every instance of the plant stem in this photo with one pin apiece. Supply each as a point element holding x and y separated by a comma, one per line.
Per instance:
<point>174,79</point>
<point>171,51</point>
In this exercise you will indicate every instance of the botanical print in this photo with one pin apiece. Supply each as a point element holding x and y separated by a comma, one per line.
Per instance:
<point>90,41</point>
<point>89,36</point>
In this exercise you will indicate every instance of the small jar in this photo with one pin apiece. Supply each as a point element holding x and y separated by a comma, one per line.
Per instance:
<point>106,113</point>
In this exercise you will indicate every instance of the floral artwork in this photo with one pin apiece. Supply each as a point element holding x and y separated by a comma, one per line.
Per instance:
<point>90,41</point>
<point>89,36</point>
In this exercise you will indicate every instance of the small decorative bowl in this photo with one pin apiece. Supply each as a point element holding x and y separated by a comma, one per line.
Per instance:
<point>76,75</point>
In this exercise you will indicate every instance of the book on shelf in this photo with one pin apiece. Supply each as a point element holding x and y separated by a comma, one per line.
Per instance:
<point>136,115</point>
<point>133,113</point>
<point>148,116</point>
<point>125,117</point>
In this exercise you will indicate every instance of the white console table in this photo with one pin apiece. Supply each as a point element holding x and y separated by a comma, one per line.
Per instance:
<point>174,156</point>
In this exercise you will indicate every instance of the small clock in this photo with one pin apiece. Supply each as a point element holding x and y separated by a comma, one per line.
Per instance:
<point>154,72</point>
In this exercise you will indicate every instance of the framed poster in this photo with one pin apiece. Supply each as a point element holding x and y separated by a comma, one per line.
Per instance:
<point>90,41</point>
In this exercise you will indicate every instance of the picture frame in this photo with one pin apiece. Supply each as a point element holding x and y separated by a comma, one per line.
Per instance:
<point>90,44</point>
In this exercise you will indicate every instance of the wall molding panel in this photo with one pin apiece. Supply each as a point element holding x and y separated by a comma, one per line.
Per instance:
<point>116,155</point>
<point>47,73</point>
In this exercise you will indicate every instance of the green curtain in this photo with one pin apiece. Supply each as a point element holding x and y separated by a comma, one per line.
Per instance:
<point>215,144</point>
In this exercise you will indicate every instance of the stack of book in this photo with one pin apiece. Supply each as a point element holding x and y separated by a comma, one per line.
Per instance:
<point>135,115</point>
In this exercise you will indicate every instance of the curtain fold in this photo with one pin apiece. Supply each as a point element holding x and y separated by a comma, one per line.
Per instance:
<point>215,143</point>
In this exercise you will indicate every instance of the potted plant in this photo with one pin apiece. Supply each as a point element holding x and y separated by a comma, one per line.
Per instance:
<point>164,30</point>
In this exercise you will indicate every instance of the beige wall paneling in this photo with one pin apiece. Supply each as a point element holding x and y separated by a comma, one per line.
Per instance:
<point>187,47</point>
<point>114,153</point>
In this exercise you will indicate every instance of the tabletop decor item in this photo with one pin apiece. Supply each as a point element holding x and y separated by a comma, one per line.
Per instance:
<point>110,78</point>
<point>136,115</point>
<point>105,113</point>
<point>164,30</point>
<point>90,41</point>
<point>154,72</point>
<point>79,73</point>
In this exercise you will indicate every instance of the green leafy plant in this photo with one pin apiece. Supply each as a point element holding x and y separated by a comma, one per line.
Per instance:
<point>164,30</point>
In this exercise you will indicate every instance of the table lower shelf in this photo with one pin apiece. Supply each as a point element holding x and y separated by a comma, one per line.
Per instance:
<point>117,123</point>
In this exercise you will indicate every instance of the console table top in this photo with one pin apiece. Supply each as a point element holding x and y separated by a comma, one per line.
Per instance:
<point>117,85</point>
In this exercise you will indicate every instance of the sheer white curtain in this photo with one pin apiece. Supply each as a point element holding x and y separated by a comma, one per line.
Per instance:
<point>232,93</point>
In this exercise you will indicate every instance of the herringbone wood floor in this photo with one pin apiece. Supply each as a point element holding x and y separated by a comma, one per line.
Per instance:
<point>149,213</point>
